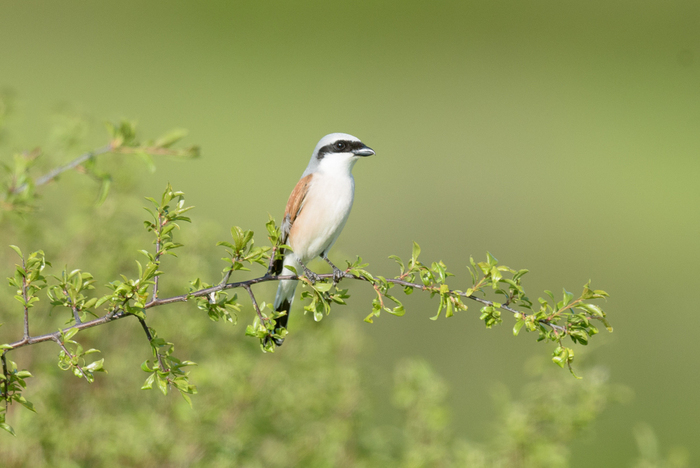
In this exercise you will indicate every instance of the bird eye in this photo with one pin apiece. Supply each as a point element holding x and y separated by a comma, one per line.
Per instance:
<point>340,145</point>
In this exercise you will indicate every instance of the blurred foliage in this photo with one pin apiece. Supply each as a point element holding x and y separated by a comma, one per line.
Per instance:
<point>303,407</point>
<point>306,406</point>
<point>650,453</point>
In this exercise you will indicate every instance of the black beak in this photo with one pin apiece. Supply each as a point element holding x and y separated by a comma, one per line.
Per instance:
<point>363,151</point>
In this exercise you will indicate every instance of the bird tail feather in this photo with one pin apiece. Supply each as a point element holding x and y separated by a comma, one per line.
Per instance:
<point>283,301</point>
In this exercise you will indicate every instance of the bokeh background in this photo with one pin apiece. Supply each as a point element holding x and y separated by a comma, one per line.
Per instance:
<point>563,137</point>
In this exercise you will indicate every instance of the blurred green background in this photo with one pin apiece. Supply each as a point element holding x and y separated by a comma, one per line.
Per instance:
<point>562,137</point>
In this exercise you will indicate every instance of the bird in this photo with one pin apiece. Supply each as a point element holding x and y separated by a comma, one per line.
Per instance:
<point>316,213</point>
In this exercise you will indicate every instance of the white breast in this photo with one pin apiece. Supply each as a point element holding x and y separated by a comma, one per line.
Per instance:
<point>323,216</point>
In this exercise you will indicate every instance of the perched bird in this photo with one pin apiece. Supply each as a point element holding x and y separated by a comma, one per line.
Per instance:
<point>316,212</point>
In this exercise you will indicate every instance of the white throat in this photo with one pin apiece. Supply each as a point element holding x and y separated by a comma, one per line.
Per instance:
<point>334,165</point>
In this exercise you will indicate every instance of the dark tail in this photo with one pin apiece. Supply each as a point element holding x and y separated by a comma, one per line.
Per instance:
<point>283,300</point>
<point>281,322</point>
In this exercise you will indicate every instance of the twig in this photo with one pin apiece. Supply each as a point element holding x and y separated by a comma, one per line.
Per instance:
<point>255,303</point>
<point>156,259</point>
<point>26,305</point>
<point>6,382</point>
<point>76,316</point>
<point>227,275</point>
<point>273,254</point>
<point>161,364</point>
<point>70,356</point>
<point>49,176</point>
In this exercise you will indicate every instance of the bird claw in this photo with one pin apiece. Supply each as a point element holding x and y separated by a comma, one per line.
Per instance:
<point>313,277</point>
<point>338,274</point>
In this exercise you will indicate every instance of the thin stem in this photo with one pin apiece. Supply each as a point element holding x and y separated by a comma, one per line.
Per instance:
<point>156,259</point>
<point>272,259</point>
<point>76,315</point>
<point>161,364</point>
<point>24,296</point>
<point>71,357</point>
<point>255,303</point>
<point>49,176</point>
<point>226,277</point>
<point>6,382</point>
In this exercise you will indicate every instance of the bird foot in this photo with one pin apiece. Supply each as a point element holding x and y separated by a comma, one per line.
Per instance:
<point>313,277</point>
<point>338,274</point>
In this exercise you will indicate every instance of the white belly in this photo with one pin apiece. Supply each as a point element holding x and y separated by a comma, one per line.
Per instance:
<point>322,217</point>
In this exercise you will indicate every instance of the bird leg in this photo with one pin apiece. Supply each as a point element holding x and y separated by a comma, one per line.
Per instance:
<point>313,277</point>
<point>338,274</point>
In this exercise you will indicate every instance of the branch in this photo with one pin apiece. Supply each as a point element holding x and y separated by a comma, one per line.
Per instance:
<point>123,141</point>
<point>255,303</point>
<point>5,393</point>
<point>76,315</point>
<point>49,176</point>
<point>26,299</point>
<point>162,365</point>
<point>72,358</point>
<point>119,312</point>
<point>156,258</point>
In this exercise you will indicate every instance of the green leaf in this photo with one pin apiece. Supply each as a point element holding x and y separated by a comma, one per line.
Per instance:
<point>24,402</point>
<point>170,138</point>
<point>106,182</point>
<point>102,300</point>
<point>519,274</point>
<point>567,297</point>
<point>96,366</point>
<point>162,384</point>
<point>518,325</point>
<point>399,261</point>
<point>415,252</point>
<point>323,287</point>
<point>70,334</point>
<point>592,308</point>
<point>19,252</point>
<point>8,428</point>
<point>148,385</point>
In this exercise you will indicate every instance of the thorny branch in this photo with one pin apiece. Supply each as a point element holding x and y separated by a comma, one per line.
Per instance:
<point>119,313</point>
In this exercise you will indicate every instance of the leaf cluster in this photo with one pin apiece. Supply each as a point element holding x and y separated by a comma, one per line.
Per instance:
<point>167,370</point>
<point>242,251</point>
<point>69,292</point>
<point>74,360</point>
<point>18,189</point>
<point>28,278</point>
<point>12,383</point>
<point>263,328</point>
